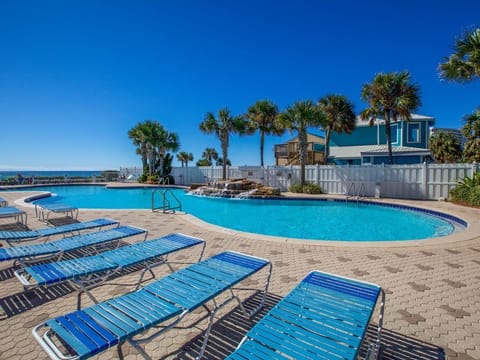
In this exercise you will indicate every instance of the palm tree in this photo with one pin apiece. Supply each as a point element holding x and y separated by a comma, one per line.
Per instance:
<point>262,116</point>
<point>390,96</point>
<point>298,117</point>
<point>184,158</point>
<point>464,64</point>
<point>222,128</point>
<point>339,116</point>
<point>152,141</point>
<point>471,131</point>
<point>210,154</point>
<point>142,136</point>
<point>445,147</point>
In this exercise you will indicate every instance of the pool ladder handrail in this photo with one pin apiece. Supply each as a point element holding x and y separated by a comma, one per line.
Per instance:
<point>351,190</point>
<point>166,204</point>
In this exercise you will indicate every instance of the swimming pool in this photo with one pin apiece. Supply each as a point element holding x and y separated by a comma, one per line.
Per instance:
<point>292,218</point>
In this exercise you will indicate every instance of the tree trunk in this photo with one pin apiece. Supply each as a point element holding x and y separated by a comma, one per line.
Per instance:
<point>302,144</point>
<point>327,142</point>
<point>262,144</point>
<point>224,163</point>
<point>388,135</point>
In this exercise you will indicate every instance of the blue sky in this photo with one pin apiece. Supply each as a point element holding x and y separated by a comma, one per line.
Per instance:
<point>75,76</point>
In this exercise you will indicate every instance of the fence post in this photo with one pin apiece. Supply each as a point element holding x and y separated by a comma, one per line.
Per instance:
<point>318,174</point>
<point>474,168</point>
<point>425,180</point>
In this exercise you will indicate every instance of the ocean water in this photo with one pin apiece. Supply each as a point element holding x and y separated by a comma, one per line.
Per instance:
<point>29,173</point>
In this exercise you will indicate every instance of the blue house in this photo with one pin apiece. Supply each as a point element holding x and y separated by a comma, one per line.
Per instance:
<point>368,145</point>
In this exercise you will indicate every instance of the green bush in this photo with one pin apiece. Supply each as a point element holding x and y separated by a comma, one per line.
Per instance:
<point>296,188</point>
<point>312,189</point>
<point>467,191</point>
<point>306,189</point>
<point>474,196</point>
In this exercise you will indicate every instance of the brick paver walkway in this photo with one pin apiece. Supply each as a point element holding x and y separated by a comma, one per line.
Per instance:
<point>433,288</point>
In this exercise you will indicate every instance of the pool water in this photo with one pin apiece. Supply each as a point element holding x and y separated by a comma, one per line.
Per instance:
<point>302,219</point>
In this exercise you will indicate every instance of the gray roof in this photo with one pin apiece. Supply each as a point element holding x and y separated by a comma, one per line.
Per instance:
<point>352,152</point>
<point>360,122</point>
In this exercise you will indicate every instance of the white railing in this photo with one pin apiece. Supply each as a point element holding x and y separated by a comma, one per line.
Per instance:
<point>418,181</point>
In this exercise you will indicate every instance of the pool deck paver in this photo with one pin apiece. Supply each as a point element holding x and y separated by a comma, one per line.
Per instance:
<point>433,287</point>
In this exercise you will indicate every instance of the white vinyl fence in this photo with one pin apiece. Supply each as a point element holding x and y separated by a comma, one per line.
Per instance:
<point>418,181</point>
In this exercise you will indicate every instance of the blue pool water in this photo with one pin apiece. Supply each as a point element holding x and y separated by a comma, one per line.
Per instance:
<point>303,219</point>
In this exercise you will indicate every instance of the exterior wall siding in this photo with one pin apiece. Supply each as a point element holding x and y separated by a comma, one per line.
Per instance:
<point>418,181</point>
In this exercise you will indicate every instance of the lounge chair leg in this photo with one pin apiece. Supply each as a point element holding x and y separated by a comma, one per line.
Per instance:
<point>119,351</point>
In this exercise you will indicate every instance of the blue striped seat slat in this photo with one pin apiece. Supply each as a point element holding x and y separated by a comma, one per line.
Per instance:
<point>18,235</point>
<point>45,273</point>
<point>69,243</point>
<point>289,347</point>
<point>100,343</point>
<point>347,286</point>
<point>56,207</point>
<point>73,340</point>
<point>182,239</point>
<point>343,318</point>
<point>106,334</point>
<point>302,336</point>
<point>317,320</point>
<point>251,350</point>
<point>110,318</point>
<point>338,299</point>
<point>85,225</point>
<point>84,345</point>
<point>184,295</point>
<point>109,260</point>
<point>25,251</point>
<point>241,259</point>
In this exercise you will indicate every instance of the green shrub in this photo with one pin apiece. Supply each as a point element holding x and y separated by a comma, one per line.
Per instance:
<point>467,191</point>
<point>306,189</point>
<point>296,188</point>
<point>312,189</point>
<point>474,196</point>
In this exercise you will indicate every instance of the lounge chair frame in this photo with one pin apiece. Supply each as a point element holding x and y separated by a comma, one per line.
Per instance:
<point>86,279</point>
<point>93,241</point>
<point>20,216</point>
<point>43,211</point>
<point>3,202</point>
<point>324,316</point>
<point>166,296</point>
<point>13,238</point>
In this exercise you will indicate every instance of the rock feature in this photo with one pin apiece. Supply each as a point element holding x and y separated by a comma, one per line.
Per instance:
<point>235,188</point>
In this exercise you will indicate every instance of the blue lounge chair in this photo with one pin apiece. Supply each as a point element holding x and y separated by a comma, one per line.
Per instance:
<point>325,317</point>
<point>56,249</point>
<point>20,216</point>
<point>3,202</point>
<point>14,237</point>
<point>91,271</point>
<point>94,329</point>
<point>43,211</point>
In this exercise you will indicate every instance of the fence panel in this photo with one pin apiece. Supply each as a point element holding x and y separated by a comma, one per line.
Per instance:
<point>418,181</point>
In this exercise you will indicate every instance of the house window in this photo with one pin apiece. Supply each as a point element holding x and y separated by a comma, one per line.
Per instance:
<point>413,132</point>
<point>394,133</point>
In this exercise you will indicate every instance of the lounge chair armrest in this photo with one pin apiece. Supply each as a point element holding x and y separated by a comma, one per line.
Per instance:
<point>48,345</point>
<point>21,275</point>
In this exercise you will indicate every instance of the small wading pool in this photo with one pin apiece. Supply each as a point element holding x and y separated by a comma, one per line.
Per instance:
<point>292,218</point>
